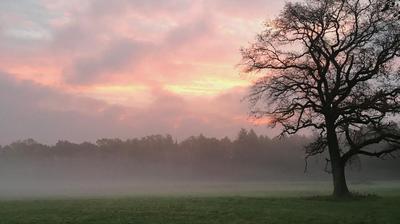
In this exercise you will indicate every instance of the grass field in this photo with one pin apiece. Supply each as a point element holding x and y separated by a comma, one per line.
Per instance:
<point>234,206</point>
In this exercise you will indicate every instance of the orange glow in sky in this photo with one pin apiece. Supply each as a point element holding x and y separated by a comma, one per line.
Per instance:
<point>164,66</point>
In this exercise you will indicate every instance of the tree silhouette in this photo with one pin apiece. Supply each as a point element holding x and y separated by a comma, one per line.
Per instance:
<point>330,66</point>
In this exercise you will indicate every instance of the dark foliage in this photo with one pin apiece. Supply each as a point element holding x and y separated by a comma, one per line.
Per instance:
<point>248,157</point>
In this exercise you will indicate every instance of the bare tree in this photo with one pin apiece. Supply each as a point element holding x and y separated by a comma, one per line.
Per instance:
<point>330,66</point>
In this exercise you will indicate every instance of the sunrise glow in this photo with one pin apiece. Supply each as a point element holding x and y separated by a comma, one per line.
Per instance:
<point>128,59</point>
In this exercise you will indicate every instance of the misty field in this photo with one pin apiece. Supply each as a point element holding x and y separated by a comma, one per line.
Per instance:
<point>221,204</point>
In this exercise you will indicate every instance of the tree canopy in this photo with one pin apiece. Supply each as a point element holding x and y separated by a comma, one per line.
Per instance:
<point>331,66</point>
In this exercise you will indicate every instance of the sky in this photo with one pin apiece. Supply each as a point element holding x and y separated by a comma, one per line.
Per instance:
<point>80,70</point>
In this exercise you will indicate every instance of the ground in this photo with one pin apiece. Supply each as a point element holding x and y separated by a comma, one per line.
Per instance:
<point>279,206</point>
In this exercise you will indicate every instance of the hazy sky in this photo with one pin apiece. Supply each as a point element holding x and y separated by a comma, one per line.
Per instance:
<point>85,69</point>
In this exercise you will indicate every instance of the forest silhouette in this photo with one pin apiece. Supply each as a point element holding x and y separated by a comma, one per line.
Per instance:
<point>248,157</point>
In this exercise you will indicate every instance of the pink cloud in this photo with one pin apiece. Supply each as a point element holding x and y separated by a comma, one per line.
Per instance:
<point>168,49</point>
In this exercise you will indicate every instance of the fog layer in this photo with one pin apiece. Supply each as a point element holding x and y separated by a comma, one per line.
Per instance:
<point>159,163</point>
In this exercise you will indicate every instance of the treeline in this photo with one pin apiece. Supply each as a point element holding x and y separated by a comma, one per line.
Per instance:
<point>247,157</point>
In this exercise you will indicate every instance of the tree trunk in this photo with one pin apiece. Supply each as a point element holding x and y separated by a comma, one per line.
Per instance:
<point>340,189</point>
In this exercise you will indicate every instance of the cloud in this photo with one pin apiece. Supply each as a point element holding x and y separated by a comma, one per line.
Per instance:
<point>171,56</point>
<point>246,9</point>
<point>117,57</point>
<point>152,7</point>
<point>30,110</point>
<point>23,21</point>
<point>101,41</point>
<point>98,68</point>
<point>33,111</point>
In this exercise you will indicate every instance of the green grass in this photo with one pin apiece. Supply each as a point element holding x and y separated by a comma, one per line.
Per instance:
<point>244,208</point>
<point>201,210</point>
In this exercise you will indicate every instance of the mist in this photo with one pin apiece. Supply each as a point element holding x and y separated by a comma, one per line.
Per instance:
<point>158,164</point>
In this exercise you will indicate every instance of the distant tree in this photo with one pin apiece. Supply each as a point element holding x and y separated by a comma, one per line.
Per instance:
<point>247,147</point>
<point>330,66</point>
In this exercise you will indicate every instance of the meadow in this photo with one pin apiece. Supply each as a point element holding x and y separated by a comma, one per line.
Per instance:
<point>212,203</point>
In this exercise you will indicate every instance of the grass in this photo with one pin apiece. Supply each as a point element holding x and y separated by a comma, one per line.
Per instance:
<point>207,209</point>
<point>201,210</point>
